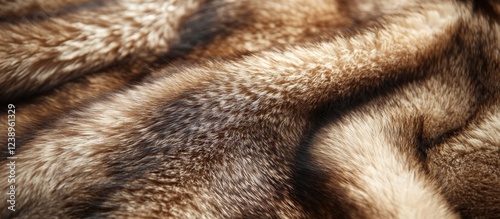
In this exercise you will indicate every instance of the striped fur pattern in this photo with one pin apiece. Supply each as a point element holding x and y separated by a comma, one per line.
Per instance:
<point>252,109</point>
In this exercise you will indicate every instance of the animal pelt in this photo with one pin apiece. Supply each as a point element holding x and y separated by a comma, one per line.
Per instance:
<point>251,109</point>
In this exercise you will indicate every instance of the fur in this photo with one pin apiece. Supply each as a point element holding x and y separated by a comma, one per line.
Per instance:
<point>61,48</point>
<point>222,109</point>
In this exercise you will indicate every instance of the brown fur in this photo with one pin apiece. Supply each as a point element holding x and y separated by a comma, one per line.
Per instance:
<point>419,121</point>
<point>60,48</point>
<point>18,8</point>
<point>227,137</point>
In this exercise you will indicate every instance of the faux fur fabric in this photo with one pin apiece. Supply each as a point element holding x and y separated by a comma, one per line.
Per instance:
<point>250,109</point>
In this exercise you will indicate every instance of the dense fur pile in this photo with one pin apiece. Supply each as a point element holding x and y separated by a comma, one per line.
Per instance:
<point>252,109</point>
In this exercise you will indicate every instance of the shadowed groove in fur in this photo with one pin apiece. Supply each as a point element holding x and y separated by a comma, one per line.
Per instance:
<point>467,164</point>
<point>310,179</point>
<point>91,201</point>
<point>489,8</point>
<point>200,29</point>
<point>427,143</point>
<point>475,60</point>
<point>39,13</point>
<point>44,98</point>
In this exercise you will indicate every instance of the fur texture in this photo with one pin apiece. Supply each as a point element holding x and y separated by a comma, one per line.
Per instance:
<point>239,109</point>
<point>60,48</point>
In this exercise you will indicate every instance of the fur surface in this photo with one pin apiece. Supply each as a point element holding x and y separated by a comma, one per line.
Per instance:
<point>245,109</point>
